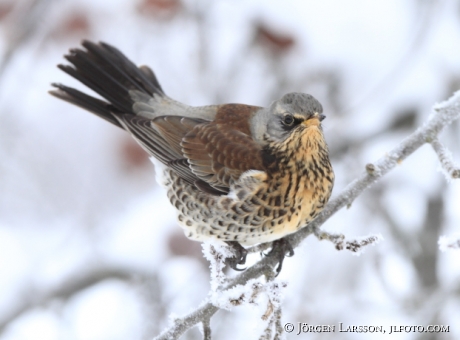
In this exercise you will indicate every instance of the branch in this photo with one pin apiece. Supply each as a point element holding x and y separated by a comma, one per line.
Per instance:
<point>451,170</point>
<point>206,329</point>
<point>443,114</point>
<point>180,325</point>
<point>67,288</point>
<point>356,246</point>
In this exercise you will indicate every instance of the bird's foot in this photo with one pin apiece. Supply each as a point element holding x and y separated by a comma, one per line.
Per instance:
<point>239,258</point>
<point>280,249</point>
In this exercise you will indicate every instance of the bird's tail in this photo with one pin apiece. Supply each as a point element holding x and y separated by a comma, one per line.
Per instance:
<point>107,71</point>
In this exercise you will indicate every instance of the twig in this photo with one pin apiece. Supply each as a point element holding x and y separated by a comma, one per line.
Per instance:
<point>68,288</point>
<point>180,325</point>
<point>443,115</point>
<point>278,326</point>
<point>445,158</point>
<point>356,245</point>
<point>206,329</point>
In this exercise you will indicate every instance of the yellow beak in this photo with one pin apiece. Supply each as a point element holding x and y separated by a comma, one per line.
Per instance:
<point>315,120</point>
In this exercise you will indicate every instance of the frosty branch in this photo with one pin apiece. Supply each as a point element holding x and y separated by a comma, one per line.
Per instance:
<point>442,115</point>
<point>445,158</point>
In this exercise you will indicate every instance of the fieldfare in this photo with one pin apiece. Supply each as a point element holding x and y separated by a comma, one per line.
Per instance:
<point>236,173</point>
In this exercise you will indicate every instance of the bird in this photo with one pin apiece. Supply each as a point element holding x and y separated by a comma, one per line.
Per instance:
<point>236,174</point>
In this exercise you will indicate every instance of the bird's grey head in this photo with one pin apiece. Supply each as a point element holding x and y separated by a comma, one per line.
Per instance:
<point>294,110</point>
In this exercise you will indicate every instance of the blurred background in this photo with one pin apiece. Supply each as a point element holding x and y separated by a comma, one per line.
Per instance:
<point>89,246</point>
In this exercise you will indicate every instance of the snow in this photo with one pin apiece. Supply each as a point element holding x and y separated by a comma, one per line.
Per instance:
<point>216,253</point>
<point>263,298</point>
<point>451,242</point>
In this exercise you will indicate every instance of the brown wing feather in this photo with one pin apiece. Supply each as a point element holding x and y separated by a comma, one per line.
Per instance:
<point>220,151</point>
<point>153,140</point>
<point>174,128</point>
<point>210,155</point>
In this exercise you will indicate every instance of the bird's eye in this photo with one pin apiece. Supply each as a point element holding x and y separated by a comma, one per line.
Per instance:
<point>288,120</point>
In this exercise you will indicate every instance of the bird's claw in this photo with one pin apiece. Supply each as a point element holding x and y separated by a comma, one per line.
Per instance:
<point>239,258</point>
<point>280,249</point>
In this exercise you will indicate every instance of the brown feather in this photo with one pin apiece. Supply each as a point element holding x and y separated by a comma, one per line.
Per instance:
<point>174,128</point>
<point>220,151</point>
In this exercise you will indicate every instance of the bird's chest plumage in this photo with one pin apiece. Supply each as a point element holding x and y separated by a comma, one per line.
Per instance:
<point>262,206</point>
<point>302,182</point>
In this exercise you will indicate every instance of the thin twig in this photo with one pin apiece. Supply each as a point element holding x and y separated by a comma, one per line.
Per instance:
<point>180,325</point>
<point>206,329</point>
<point>356,245</point>
<point>445,158</point>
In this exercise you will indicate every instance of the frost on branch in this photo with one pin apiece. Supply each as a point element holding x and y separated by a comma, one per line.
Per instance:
<point>254,292</point>
<point>205,329</point>
<point>356,246</point>
<point>449,168</point>
<point>371,169</point>
<point>449,242</point>
<point>274,325</point>
<point>216,253</point>
<point>265,296</point>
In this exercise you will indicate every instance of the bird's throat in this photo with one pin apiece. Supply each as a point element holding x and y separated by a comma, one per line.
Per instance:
<point>303,151</point>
